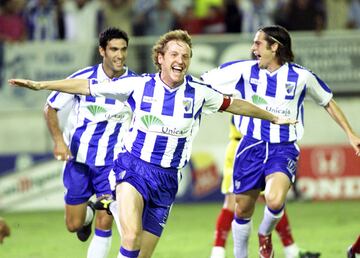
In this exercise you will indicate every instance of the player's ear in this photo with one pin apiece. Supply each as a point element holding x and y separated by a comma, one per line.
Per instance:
<point>101,51</point>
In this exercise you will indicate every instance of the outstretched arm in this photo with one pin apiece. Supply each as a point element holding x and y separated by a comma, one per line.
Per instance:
<point>74,86</point>
<point>339,117</point>
<point>245,108</point>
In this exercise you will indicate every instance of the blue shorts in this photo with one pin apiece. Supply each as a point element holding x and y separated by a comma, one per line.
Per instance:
<point>255,159</point>
<point>82,181</point>
<point>158,187</point>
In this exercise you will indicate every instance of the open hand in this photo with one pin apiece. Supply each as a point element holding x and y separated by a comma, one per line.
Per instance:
<point>33,85</point>
<point>285,121</point>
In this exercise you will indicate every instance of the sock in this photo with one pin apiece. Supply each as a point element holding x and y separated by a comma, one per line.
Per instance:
<point>89,216</point>
<point>100,244</point>
<point>114,210</point>
<point>123,253</point>
<point>356,246</point>
<point>284,230</point>
<point>217,252</point>
<point>223,226</point>
<point>241,229</point>
<point>270,219</point>
<point>291,251</point>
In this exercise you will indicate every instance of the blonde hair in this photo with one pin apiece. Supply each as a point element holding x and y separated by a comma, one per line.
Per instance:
<point>160,45</point>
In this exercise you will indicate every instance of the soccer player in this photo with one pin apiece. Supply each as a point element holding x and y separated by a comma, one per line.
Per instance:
<point>167,107</point>
<point>226,215</point>
<point>4,230</point>
<point>354,249</point>
<point>90,142</point>
<point>267,155</point>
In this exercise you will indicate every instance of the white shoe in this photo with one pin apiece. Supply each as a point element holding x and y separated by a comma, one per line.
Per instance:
<point>218,252</point>
<point>291,251</point>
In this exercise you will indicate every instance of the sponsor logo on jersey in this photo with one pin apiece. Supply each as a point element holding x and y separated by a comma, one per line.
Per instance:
<point>256,99</point>
<point>237,184</point>
<point>291,166</point>
<point>254,81</point>
<point>174,131</point>
<point>149,99</point>
<point>94,109</point>
<point>278,111</point>
<point>149,120</point>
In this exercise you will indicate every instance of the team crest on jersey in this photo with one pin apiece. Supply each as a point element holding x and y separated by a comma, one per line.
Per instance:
<point>188,103</point>
<point>94,109</point>
<point>290,86</point>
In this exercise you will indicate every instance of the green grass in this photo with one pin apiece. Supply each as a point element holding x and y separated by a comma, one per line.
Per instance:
<point>329,227</point>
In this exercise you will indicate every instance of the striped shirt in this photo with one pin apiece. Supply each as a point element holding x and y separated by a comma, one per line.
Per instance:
<point>94,126</point>
<point>281,92</point>
<point>164,119</point>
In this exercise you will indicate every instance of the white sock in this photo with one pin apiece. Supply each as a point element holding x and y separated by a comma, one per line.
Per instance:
<point>291,251</point>
<point>218,252</point>
<point>99,247</point>
<point>241,233</point>
<point>269,221</point>
<point>89,215</point>
<point>114,210</point>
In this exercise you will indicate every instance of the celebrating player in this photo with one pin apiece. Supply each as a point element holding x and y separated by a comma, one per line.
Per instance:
<point>267,155</point>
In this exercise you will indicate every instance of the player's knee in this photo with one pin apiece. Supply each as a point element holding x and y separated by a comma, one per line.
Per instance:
<point>104,221</point>
<point>274,202</point>
<point>244,212</point>
<point>131,239</point>
<point>73,225</point>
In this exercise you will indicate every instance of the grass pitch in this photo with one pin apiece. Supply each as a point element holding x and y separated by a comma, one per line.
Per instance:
<point>328,227</point>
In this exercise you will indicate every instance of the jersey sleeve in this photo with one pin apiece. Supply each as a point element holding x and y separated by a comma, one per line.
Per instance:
<point>224,78</point>
<point>213,101</point>
<point>120,89</point>
<point>318,90</point>
<point>58,100</point>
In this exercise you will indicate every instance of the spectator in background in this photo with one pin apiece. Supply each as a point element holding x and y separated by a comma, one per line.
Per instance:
<point>161,18</point>
<point>12,22</point>
<point>189,22</point>
<point>214,22</point>
<point>305,15</point>
<point>353,19</point>
<point>42,20</point>
<point>202,7</point>
<point>233,16</point>
<point>4,230</point>
<point>119,13</point>
<point>256,13</point>
<point>83,19</point>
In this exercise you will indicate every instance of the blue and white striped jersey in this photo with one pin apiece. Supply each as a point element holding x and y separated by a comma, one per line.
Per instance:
<point>95,126</point>
<point>162,128</point>
<point>281,92</point>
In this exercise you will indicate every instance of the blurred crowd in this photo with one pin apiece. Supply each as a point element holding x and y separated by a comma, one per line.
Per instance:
<point>82,20</point>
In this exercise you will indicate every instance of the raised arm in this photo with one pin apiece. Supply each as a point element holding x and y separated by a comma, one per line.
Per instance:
<point>74,86</point>
<point>245,108</point>
<point>339,117</point>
